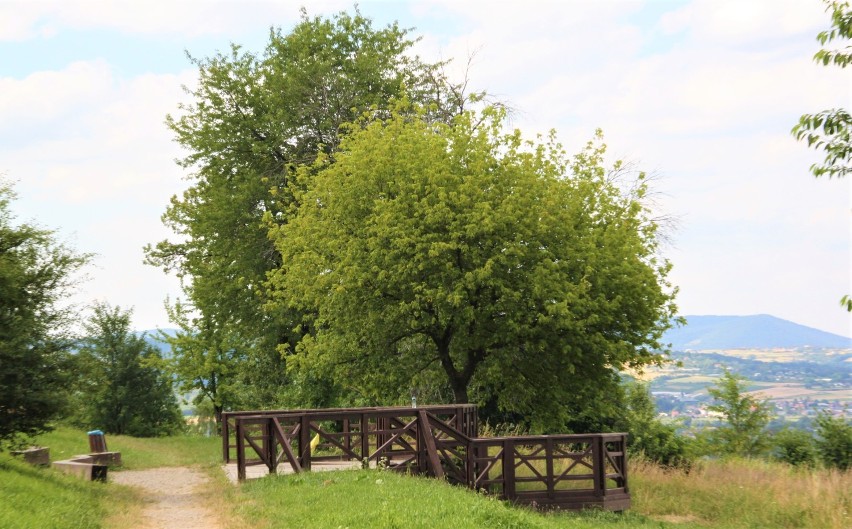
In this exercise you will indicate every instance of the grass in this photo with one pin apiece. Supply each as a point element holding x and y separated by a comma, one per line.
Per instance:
<point>41,498</point>
<point>138,453</point>
<point>736,494</point>
<point>740,494</point>
<point>386,500</point>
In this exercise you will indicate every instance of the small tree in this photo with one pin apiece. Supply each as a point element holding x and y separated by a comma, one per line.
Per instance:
<point>795,447</point>
<point>834,441</point>
<point>35,274</point>
<point>746,416</point>
<point>124,391</point>
<point>649,436</point>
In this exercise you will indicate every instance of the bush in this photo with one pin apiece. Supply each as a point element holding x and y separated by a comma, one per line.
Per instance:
<point>834,441</point>
<point>795,447</point>
<point>656,441</point>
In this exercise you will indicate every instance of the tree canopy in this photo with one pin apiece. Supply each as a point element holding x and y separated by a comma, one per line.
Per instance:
<point>36,273</point>
<point>252,120</point>
<point>456,250</point>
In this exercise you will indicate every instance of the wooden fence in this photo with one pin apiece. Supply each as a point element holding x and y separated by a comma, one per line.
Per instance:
<point>548,471</point>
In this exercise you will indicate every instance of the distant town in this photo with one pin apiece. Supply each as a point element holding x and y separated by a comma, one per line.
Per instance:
<point>799,382</point>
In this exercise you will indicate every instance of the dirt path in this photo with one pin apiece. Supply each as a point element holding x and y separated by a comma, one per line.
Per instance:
<point>174,498</point>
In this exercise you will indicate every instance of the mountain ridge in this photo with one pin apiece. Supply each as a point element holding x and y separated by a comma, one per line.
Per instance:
<point>758,331</point>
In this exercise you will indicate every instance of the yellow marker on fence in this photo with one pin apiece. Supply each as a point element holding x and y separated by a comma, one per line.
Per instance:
<point>315,443</point>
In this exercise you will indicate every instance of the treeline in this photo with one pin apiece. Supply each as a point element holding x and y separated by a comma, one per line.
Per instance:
<point>108,379</point>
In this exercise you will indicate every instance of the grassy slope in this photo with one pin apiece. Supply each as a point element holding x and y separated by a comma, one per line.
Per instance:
<point>742,494</point>
<point>384,500</point>
<point>719,495</point>
<point>42,498</point>
<point>137,453</point>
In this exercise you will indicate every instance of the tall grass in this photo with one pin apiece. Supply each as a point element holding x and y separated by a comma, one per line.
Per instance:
<point>743,493</point>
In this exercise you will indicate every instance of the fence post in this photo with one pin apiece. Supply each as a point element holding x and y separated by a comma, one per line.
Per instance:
<point>599,465</point>
<point>509,469</point>
<point>365,437</point>
<point>271,452</point>
<point>226,449</point>
<point>241,450</point>
<point>305,441</point>
<point>548,454</point>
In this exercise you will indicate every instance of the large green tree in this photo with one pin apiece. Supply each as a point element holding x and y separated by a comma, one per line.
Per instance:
<point>123,388</point>
<point>251,121</point>
<point>36,274</point>
<point>507,268</point>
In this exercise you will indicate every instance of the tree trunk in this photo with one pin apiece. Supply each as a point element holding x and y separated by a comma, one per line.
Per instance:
<point>459,392</point>
<point>458,379</point>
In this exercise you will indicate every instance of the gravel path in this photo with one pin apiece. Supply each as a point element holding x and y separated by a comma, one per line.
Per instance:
<point>174,498</point>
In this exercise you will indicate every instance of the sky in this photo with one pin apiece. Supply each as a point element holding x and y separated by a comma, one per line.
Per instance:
<point>700,94</point>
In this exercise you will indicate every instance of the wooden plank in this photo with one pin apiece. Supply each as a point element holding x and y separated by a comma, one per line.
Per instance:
<point>390,441</point>
<point>599,466</point>
<point>548,450</point>
<point>365,439</point>
<point>305,442</point>
<point>285,446</point>
<point>429,442</point>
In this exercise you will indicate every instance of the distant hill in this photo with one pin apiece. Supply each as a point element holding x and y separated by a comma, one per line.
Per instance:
<point>749,332</point>
<point>152,337</point>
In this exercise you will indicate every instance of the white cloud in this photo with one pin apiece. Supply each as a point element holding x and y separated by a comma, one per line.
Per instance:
<point>24,20</point>
<point>45,96</point>
<point>101,173</point>
<point>731,23</point>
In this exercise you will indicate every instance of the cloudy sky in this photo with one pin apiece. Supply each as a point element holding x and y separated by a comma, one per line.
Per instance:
<point>702,94</point>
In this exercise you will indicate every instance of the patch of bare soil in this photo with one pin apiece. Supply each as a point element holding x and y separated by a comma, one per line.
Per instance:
<point>174,498</point>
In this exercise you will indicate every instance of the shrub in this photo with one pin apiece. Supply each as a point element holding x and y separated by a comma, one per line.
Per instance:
<point>795,447</point>
<point>656,441</point>
<point>834,441</point>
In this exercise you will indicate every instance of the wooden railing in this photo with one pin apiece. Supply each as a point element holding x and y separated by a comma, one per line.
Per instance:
<point>547,471</point>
